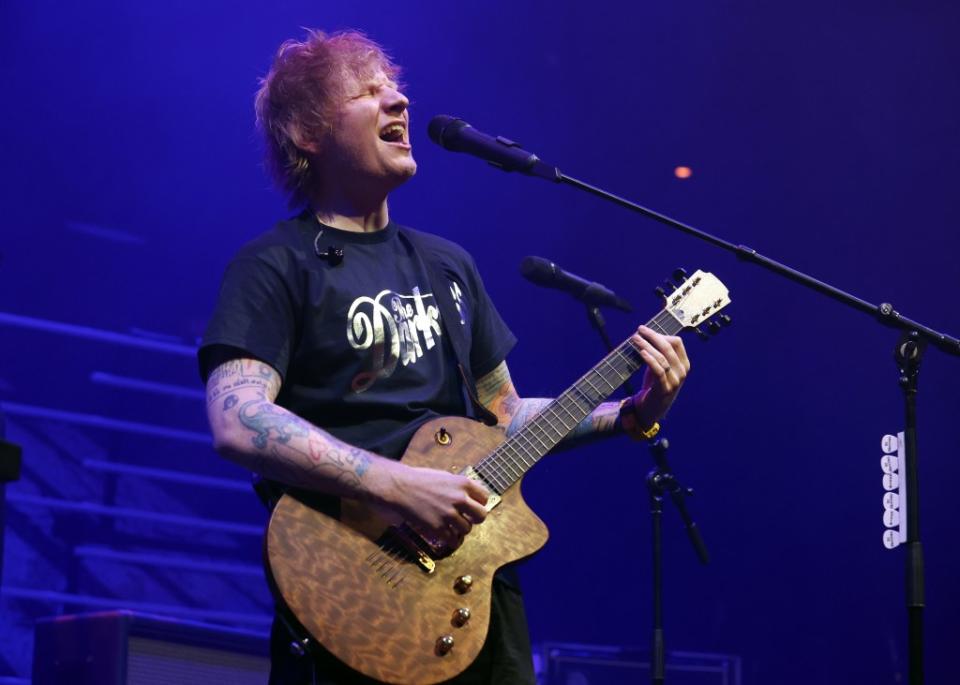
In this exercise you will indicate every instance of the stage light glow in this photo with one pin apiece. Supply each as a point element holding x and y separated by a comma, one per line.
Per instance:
<point>683,172</point>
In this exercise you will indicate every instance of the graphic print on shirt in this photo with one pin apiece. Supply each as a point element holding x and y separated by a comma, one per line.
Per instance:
<point>458,300</point>
<point>395,328</point>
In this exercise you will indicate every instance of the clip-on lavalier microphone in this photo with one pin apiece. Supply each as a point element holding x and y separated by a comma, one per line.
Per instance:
<point>334,255</point>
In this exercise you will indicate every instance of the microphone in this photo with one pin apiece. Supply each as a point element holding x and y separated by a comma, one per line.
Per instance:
<point>456,135</point>
<point>545,273</point>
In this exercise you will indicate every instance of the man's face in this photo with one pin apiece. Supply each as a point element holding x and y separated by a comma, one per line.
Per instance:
<point>370,140</point>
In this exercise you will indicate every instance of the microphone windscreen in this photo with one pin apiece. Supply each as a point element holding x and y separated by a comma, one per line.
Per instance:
<point>443,130</point>
<point>538,270</point>
<point>440,125</point>
<point>436,126</point>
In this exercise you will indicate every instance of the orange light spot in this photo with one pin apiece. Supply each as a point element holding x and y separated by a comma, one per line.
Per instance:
<point>683,172</point>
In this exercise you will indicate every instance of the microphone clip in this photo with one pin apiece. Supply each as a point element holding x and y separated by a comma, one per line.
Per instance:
<point>334,255</point>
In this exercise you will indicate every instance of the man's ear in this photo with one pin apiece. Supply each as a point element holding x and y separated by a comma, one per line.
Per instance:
<point>303,141</point>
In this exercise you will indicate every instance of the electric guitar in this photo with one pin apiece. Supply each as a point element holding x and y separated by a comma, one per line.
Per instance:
<point>401,608</point>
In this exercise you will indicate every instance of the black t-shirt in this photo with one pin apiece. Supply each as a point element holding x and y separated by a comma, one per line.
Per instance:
<point>359,344</point>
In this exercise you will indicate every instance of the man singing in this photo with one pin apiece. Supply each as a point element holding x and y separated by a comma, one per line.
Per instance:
<point>328,347</point>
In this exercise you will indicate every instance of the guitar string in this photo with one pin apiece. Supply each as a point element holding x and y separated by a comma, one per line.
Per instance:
<point>503,465</point>
<point>625,353</point>
<point>546,416</point>
<point>400,555</point>
<point>392,557</point>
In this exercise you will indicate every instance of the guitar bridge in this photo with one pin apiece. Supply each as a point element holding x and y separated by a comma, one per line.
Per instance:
<point>404,539</point>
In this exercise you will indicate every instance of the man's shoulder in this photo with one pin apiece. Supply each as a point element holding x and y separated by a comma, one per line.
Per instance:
<point>437,246</point>
<point>283,244</point>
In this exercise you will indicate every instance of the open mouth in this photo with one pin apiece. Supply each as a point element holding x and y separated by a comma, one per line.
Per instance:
<point>393,133</point>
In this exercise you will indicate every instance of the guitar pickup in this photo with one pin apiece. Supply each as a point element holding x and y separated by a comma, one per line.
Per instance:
<point>493,499</point>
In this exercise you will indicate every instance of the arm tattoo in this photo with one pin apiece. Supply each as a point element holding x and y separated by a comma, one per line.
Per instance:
<point>602,421</point>
<point>276,442</point>
<point>262,417</point>
<point>242,373</point>
<point>496,392</point>
<point>299,450</point>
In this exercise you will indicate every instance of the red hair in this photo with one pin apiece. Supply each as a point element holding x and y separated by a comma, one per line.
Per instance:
<point>298,99</point>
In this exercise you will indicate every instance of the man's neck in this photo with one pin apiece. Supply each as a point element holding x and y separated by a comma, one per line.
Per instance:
<point>352,214</point>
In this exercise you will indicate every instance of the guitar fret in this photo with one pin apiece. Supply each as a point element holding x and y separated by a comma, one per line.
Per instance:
<point>625,367</point>
<point>546,447</point>
<point>586,380</point>
<point>526,448</point>
<point>576,390</point>
<point>550,427</point>
<point>658,327</point>
<point>559,404</point>
<point>620,377</point>
<point>573,414</point>
<point>490,477</point>
<point>511,463</point>
<point>507,464</point>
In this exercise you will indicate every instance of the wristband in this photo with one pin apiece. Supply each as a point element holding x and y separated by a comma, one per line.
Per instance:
<point>628,419</point>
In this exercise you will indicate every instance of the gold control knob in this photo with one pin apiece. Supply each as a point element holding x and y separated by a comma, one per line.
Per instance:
<point>463,584</point>
<point>443,437</point>
<point>444,644</point>
<point>460,617</point>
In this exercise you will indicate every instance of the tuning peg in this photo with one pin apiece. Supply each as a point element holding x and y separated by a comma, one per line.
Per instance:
<point>679,275</point>
<point>700,333</point>
<point>668,285</point>
<point>713,327</point>
<point>725,320</point>
<point>660,292</point>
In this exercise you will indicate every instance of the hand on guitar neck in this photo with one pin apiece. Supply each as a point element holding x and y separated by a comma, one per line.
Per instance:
<point>667,368</point>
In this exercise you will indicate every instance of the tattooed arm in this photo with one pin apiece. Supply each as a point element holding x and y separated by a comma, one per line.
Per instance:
<point>251,430</point>
<point>667,368</point>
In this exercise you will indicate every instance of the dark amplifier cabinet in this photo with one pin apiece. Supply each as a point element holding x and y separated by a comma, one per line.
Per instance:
<point>10,458</point>
<point>128,648</point>
<point>572,664</point>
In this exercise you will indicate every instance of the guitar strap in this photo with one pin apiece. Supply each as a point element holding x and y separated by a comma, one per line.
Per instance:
<point>441,276</point>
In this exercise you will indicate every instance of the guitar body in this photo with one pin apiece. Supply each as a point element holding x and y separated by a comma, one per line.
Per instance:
<point>383,614</point>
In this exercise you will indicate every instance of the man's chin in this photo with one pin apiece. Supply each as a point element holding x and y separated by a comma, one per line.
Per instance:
<point>405,172</point>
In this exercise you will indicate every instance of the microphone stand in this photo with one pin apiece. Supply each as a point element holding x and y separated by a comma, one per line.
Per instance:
<point>907,353</point>
<point>659,481</point>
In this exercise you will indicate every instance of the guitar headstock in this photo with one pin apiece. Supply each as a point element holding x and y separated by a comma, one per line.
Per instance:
<point>696,299</point>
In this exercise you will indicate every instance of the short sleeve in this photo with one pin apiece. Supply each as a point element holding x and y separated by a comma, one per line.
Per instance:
<point>491,338</point>
<point>255,313</point>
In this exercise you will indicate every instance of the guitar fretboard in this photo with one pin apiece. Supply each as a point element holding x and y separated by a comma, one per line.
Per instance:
<point>514,457</point>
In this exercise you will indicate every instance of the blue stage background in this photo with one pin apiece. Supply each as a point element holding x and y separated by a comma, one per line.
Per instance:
<point>824,135</point>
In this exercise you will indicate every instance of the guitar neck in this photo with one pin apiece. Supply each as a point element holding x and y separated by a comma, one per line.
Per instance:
<point>514,457</point>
